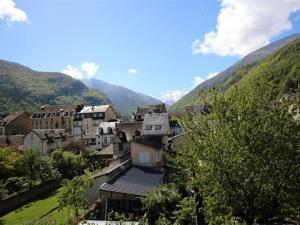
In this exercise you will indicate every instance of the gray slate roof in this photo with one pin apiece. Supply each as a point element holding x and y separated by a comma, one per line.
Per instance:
<point>11,117</point>
<point>153,120</point>
<point>135,180</point>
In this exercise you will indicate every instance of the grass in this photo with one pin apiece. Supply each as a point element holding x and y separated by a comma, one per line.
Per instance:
<point>34,210</point>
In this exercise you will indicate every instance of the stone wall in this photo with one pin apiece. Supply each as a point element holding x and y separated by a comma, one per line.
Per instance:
<point>14,202</point>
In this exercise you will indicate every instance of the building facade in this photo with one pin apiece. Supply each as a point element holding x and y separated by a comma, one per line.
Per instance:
<point>54,117</point>
<point>16,123</point>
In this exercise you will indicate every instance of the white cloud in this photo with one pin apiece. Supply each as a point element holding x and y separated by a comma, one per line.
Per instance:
<point>246,25</point>
<point>172,96</point>
<point>133,71</point>
<point>72,71</point>
<point>10,13</point>
<point>211,75</point>
<point>90,68</point>
<point>198,80</point>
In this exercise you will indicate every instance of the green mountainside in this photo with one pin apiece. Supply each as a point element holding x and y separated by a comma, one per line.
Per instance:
<point>22,88</point>
<point>125,100</point>
<point>279,59</point>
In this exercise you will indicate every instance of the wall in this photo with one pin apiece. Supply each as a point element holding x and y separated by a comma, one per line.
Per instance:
<point>129,128</point>
<point>16,201</point>
<point>110,114</point>
<point>32,140</point>
<point>155,155</point>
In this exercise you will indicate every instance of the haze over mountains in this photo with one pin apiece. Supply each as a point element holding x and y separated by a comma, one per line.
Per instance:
<point>124,99</point>
<point>248,61</point>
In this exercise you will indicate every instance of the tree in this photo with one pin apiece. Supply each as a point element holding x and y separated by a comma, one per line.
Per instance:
<point>73,195</point>
<point>67,163</point>
<point>8,159</point>
<point>243,157</point>
<point>33,166</point>
<point>160,204</point>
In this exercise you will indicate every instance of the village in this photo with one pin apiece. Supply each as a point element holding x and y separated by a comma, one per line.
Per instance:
<point>133,147</point>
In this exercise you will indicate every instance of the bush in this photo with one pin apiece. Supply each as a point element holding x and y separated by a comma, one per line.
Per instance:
<point>16,184</point>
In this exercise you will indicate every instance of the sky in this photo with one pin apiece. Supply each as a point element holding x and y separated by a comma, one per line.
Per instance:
<point>162,48</point>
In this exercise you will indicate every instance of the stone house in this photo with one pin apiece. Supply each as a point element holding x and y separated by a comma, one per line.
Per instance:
<point>54,117</point>
<point>45,140</point>
<point>16,123</point>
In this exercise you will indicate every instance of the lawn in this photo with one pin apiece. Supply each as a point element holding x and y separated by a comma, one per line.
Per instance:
<point>35,210</point>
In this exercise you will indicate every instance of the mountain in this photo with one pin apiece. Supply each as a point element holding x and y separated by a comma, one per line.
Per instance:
<point>22,88</point>
<point>124,99</point>
<point>245,64</point>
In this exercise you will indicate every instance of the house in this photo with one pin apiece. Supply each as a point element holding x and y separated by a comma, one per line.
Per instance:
<point>45,140</point>
<point>54,117</point>
<point>106,134</point>
<point>198,109</point>
<point>123,192</point>
<point>142,111</point>
<point>157,124</point>
<point>147,151</point>
<point>16,123</point>
<point>88,119</point>
<point>114,151</point>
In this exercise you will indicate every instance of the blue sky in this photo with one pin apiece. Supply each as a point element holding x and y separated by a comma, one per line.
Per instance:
<point>158,47</point>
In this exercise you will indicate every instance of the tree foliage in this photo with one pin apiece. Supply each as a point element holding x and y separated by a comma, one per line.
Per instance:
<point>243,157</point>
<point>68,163</point>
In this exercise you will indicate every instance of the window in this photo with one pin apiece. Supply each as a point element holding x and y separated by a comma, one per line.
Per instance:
<point>144,158</point>
<point>111,139</point>
<point>157,127</point>
<point>105,140</point>
<point>1,131</point>
<point>148,127</point>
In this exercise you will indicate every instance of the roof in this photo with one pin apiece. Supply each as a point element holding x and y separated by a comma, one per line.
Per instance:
<point>107,151</point>
<point>11,117</point>
<point>94,109</point>
<point>57,108</point>
<point>135,180</point>
<point>55,133</point>
<point>153,121</point>
<point>154,142</point>
<point>106,125</point>
<point>159,108</point>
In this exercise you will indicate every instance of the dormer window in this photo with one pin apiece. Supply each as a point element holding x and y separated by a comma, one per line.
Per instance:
<point>148,127</point>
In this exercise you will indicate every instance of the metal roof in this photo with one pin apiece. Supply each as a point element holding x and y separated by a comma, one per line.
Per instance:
<point>135,180</point>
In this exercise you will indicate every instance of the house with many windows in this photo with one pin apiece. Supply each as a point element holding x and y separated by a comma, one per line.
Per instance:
<point>54,117</point>
<point>88,119</point>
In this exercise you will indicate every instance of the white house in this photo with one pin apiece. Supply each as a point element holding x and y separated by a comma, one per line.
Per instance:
<point>45,140</point>
<point>106,134</point>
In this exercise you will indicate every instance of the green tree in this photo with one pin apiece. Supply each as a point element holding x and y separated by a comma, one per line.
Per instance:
<point>67,163</point>
<point>34,167</point>
<point>73,195</point>
<point>8,159</point>
<point>160,204</point>
<point>243,157</point>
